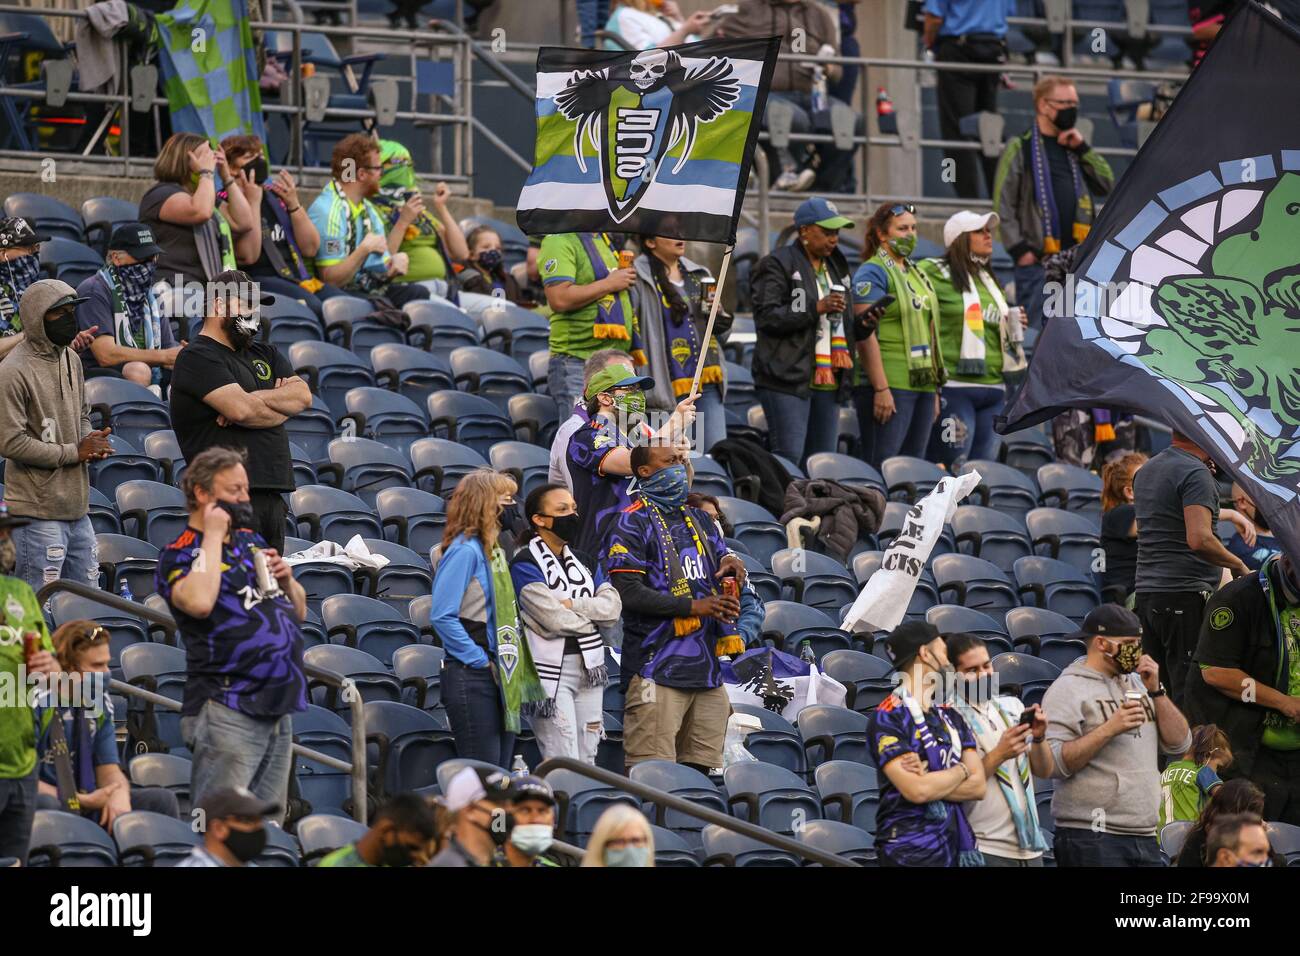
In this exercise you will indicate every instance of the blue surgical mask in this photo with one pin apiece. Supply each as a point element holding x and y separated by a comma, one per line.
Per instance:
<point>627,856</point>
<point>667,487</point>
<point>532,839</point>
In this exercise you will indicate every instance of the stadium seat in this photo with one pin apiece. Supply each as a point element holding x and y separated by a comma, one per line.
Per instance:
<point>69,840</point>
<point>723,847</point>
<point>282,849</point>
<point>440,327</point>
<point>102,513</point>
<point>709,478</point>
<point>535,418</point>
<point>322,833</point>
<point>469,419</point>
<point>159,668</point>
<point>366,467</point>
<point>769,796</point>
<point>123,630</point>
<point>152,511</point>
<point>681,781</point>
<point>1070,487</point>
<point>1024,676</point>
<point>162,446</point>
<point>1068,536</point>
<point>304,469</point>
<point>101,215</point>
<point>409,742</point>
<point>347,318</point>
<point>333,514</point>
<point>850,792</point>
<point>330,371</point>
<point>322,579</point>
<point>405,577</point>
<point>372,678</point>
<point>953,618</point>
<point>286,320</point>
<point>581,801</point>
<point>992,535</point>
<point>1047,633</point>
<point>777,742</point>
<point>1126,97</point>
<point>413,372</point>
<point>833,733</point>
<point>909,479</point>
<point>132,410</point>
<point>755,526</point>
<point>764,581</point>
<point>325,789</point>
<point>440,463</point>
<point>974,583</point>
<point>449,768</point>
<point>846,469</point>
<point>163,770</point>
<point>367,624</point>
<point>1027,450</point>
<point>892,523</point>
<point>385,416</point>
<point>418,613</point>
<point>489,374</point>
<point>1004,488</point>
<point>151,839</point>
<point>312,429</point>
<point>419,668</point>
<point>538,368</point>
<point>46,214</point>
<point>1284,838</point>
<point>817,580</point>
<point>787,625</point>
<point>925,596</point>
<point>515,331</point>
<point>865,677</point>
<point>413,518</point>
<point>123,558</point>
<point>313,628</point>
<point>841,839</point>
<point>528,464</point>
<point>1056,586</point>
<point>671,850</point>
<point>1173,835</point>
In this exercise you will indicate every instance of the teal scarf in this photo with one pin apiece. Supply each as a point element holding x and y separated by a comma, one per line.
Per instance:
<point>1024,818</point>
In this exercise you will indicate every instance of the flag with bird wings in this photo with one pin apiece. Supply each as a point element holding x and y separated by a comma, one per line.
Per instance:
<point>655,142</point>
<point>1184,304</point>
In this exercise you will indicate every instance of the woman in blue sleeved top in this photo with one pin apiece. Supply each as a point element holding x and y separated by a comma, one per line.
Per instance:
<point>474,615</point>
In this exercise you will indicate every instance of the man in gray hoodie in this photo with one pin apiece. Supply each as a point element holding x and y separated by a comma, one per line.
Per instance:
<point>1108,714</point>
<point>46,440</point>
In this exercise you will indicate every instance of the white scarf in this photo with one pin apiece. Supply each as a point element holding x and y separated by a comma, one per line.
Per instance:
<point>973,358</point>
<point>569,579</point>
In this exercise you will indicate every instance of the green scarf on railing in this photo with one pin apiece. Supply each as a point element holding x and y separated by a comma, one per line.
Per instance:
<point>518,677</point>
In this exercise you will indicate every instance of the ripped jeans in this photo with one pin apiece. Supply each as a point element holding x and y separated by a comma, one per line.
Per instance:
<point>49,550</point>
<point>578,725</point>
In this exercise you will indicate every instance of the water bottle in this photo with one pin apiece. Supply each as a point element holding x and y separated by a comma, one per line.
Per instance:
<point>124,591</point>
<point>519,768</point>
<point>819,91</point>
<point>806,653</point>
<point>886,121</point>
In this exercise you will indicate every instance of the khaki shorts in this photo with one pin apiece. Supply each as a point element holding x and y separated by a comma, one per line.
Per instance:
<point>670,723</point>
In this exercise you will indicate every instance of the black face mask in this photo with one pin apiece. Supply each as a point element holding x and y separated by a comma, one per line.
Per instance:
<point>396,853</point>
<point>509,518</point>
<point>1066,118</point>
<point>241,513</point>
<point>245,845</point>
<point>62,330</point>
<point>566,527</point>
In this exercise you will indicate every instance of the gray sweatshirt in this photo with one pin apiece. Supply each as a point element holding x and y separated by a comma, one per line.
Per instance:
<point>1118,791</point>
<point>43,416</point>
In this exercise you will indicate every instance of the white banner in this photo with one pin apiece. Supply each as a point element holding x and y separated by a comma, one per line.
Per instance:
<point>885,596</point>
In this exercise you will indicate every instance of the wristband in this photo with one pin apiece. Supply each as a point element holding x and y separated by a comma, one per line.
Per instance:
<point>885,389</point>
<point>294,209</point>
<point>1039,740</point>
<point>965,770</point>
<point>206,172</point>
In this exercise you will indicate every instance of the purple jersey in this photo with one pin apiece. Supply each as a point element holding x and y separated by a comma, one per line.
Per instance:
<point>246,654</point>
<point>651,645</point>
<point>599,496</point>
<point>913,834</point>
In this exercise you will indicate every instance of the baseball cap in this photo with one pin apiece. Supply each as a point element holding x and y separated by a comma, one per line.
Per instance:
<point>615,376</point>
<point>821,212</point>
<point>135,239</point>
<point>967,221</point>
<point>531,788</point>
<point>11,521</point>
<point>909,637</point>
<point>472,784</point>
<point>1109,620</point>
<point>67,295</point>
<point>236,802</point>
<point>16,231</point>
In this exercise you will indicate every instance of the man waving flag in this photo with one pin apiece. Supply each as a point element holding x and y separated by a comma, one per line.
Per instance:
<point>1185,303</point>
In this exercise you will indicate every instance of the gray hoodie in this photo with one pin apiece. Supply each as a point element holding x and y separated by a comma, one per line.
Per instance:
<point>43,416</point>
<point>1118,791</point>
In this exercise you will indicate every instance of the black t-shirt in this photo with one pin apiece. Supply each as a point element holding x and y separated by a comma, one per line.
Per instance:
<point>1058,166</point>
<point>1121,550</point>
<point>206,365</point>
<point>180,252</point>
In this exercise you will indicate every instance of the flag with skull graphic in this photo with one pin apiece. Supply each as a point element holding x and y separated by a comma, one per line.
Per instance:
<point>657,142</point>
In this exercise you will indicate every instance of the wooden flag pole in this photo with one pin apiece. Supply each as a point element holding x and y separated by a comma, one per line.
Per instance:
<point>713,315</point>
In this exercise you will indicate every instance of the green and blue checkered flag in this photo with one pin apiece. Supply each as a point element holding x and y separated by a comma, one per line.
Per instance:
<point>209,70</point>
<point>656,142</point>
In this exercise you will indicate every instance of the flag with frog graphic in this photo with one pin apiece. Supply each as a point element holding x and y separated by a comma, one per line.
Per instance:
<point>1185,300</point>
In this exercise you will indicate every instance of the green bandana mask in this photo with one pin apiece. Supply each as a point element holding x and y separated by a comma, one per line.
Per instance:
<point>633,403</point>
<point>903,245</point>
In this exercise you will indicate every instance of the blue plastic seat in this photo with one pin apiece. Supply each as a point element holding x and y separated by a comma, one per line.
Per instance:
<point>419,668</point>
<point>893,521</point>
<point>1047,634</point>
<point>770,796</point>
<point>159,668</point>
<point>816,580</point>
<point>1025,676</point>
<point>471,420</point>
<point>910,479</point>
<point>347,320</point>
<point>974,583</point>
<point>124,464</point>
<point>312,429</point>
<point>440,327</point>
<point>723,847</point>
<point>102,513</point>
<point>757,527</point>
<point>324,788</point>
<point>953,618</point>
<point>741,394</point>
<point>151,839</point>
<point>152,511</point>
<point>788,625</point>
<point>535,418</point>
<point>710,478</point>
<point>846,469</point>
<point>413,372</point>
<point>671,850</point>
<point>286,320</point>
<point>123,629</point>
<point>330,371</point>
<point>865,677</point>
<point>850,792</point>
<point>333,514</point>
<point>1173,835</point>
<point>100,215</point>
<point>489,374</point>
<point>581,801</point>
<point>440,463</point>
<point>767,584</point>
<point>1057,586</point>
<point>1027,450</point>
<point>68,840</point>
<point>1070,487</point>
<point>162,446</point>
<point>46,214</point>
<point>373,679</point>
<point>367,624</point>
<point>322,579</point>
<point>322,833</point>
<point>841,839</point>
<point>1003,488</point>
<point>169,771</point>
<point>776,742</point>
<point>366,467</point>
<point>833,733</point>
<point>410,744</point>
<point>1069,536</point>
<point>405,577</point>
<point>281,851</point>
<point>385,416</point>
<point>414,518</point>
<point>132,410</point>
<point>124,558</point>
<point>528,464</point>
<point>515,331</point>
<point>681,781</point>
<point>992,535</point>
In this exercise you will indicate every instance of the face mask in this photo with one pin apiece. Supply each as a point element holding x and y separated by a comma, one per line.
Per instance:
<point>633,403</point>
<point>1126,657</point>
<point>566,527</point>
<point>532,839</point>
<point>627,856</point>
<point>490,259</point>
<point>61,331</point>
<point>1241,863</point>
<point>500,832</point>
<point>241,513</point>
<point>396,853</point>
<point>259,171</point>
<point>8,556</point>
<point>903,245</point>
<point>245,845</point>
<point>508,518</point>
<point>667,487</point>
<point>242,329</point>
<point>136,276</point>
<point>22,272</point>
<point>1066,118</point>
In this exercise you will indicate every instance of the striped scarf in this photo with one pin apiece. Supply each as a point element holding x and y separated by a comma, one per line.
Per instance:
<point>1025,819</point>
<point>832,350</point>
<point>1045,198</point>
<point>612,322</point>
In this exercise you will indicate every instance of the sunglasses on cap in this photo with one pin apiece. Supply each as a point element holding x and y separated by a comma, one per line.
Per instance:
<point>901,208</point>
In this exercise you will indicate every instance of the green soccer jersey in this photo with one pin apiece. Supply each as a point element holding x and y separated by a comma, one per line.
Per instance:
<point>1184,789</point>
<point>563,258</point>
<point>19,613</point>
<point>343,856</point>
<point>952,319</point>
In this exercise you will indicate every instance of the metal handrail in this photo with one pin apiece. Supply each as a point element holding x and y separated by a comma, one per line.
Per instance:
<point>672,802</point>
<point>315,674</point>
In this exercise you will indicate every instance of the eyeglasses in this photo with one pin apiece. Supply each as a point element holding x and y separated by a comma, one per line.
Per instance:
<point>371,168</point>
<point>1063,104</point>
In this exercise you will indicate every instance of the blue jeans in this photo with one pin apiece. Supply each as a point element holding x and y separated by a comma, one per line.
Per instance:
<point>1029,292</point>
<point>1075,847</point>
<point>799,427</point>
<point>474,710</point>
<point>564,382</point>
<point>710,418</point>
<point>49,550</point>
<point>232,749</point>
<point>153,799</point>
<point>908,430</point>
<point>592,16</point>
<point>976,406</point>
<point>17,810</point>
<point>836,171</point>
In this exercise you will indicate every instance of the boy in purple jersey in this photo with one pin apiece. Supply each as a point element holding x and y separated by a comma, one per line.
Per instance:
<point>243,644</point>
<point>666,560</point>
<point>927,759</point>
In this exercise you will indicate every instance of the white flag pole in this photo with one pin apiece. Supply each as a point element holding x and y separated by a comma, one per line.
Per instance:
<point>713,315</point>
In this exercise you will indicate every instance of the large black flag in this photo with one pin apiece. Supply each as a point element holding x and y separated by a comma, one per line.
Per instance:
<point>1185,304</point>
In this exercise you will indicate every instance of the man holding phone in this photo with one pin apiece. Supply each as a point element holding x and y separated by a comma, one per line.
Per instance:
<point>1010,740</point>
<point>1109,716</point>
